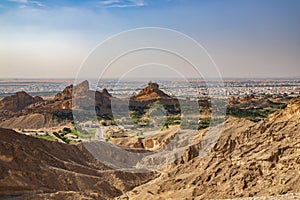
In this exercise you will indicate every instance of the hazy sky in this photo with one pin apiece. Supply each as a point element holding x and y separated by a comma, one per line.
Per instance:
<point>246,38</point>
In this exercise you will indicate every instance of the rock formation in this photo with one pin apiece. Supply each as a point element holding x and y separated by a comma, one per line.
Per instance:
<point>32,168</point>
<point>152,94</point>
<point>18,101</point>
<point>249,159</point>
<point>65,94</point>
<point>24,111</point>
<point>80,89</point>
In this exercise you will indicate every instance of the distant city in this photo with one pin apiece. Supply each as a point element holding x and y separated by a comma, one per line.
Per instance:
<point>191,89</point>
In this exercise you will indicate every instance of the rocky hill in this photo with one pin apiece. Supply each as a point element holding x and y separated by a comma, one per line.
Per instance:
<point>32,168</point>
<point>152,94</point>
<point>249,159</point>
<point>24,111</point>
<point>18,101</point>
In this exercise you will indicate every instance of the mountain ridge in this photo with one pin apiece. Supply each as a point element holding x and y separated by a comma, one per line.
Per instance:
<point>31,166</point>
<point>249,159</point>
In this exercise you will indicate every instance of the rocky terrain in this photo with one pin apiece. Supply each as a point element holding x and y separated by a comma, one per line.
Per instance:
<point>290,196</point>
<point>24,111</point>
<point>152,94</point>
<point>256,108</point>
<point>18,101</point>
<point>32,168</point>
<point>249,159</point>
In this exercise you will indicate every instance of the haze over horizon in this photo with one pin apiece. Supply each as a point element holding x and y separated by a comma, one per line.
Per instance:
<point>246,39</point>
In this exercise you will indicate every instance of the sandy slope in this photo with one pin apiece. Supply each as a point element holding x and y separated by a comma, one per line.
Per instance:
<point>31,166</point>
<point>248,160</point>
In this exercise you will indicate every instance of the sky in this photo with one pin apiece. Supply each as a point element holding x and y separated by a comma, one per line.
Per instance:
<point>245,38</point>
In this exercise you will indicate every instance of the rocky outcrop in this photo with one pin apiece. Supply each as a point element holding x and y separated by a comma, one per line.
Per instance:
<point>80,97</point>
<point>32,168</point>
<point>87,100</point>
<point>18,101</point>
<point>23,111</point>
<point>32,121</point>
<point>152,94</point>
<point>80,89</point>
<point>249,159</point>
<point>152,91</point>
<point>65,94</point>
<point>150,143</point>
<point>106,93</point>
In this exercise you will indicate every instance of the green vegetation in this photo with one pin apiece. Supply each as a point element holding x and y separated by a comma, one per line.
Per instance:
<point>140,133</point>
<point>45,137</point>
<point>204,123</point>
<point>61,136</point>
<point>84,134</point>
<point>189,123</point>
<point>172,109</point>
<point>108,122</point>
<point>138,121</point>
<point>200,123</point>
<point>67,130</point>
<point>166,126</point>
<point>135,117</point>
<point>62,115</point>
<point>75,132</point>
<point>105,117</point>
<point>188,109</point>
<point>173,120</point>
<point>144,123</point>
<point>253,114</point>
<point>108,138</point>
<point>155,114</point>
<point>157,110</point>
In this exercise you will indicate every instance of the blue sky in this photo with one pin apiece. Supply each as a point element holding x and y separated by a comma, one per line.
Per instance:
<point>246,38</point>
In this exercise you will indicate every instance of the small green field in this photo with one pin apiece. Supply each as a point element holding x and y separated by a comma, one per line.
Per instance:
<point>46,137</point>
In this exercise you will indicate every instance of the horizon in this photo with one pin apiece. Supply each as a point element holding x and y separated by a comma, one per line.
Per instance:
<point>149,78</point>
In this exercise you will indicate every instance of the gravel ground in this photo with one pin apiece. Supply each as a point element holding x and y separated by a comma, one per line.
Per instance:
<point>280,197</point>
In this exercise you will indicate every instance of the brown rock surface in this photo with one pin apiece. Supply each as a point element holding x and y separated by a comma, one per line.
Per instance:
<point>152,94</point>
<point>290,196</point>
<point>152,91</point>
<point>65,94</point>
<point>18,101</point>
<point>248,160</point>
<point>80,89</point>
<point>32,167</point>
<point>150,143</point>
<point>31,121</point>
<point>23,111</point>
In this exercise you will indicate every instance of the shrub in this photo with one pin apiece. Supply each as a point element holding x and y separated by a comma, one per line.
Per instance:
<point>66,140</point>
<point>62,115</point>
<point>66,130</point>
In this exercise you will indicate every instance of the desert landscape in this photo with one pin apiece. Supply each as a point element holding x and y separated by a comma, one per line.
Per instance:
<point>45,155</point>
<point>149,100</point>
